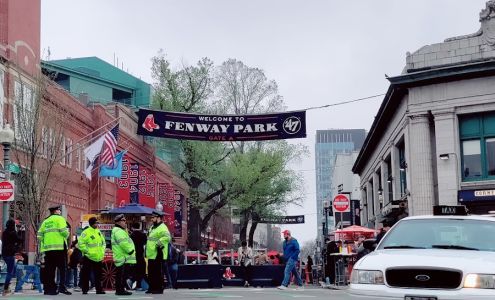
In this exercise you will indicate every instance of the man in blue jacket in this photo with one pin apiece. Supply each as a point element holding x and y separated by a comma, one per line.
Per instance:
<point>291,256</point>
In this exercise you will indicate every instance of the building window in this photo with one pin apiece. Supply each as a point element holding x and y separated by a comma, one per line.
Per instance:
<point>44,142</point>
<point>477,133</point>
<point>24,114</point>
<point>78,157</point>
<point>402,168</point>
<point>2,75</point>
<point>390,196</point>
<point>63,148</point>
<point>380,189</point>
<point>68,152</point>
<point>371,201</point>
<point>471,156</point>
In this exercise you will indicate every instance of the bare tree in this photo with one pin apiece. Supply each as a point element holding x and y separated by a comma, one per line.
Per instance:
<point>38,147</point>
<point>241,90</point>
<point>308,249</point>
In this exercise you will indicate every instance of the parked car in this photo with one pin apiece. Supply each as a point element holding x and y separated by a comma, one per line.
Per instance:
<point>430,258</point>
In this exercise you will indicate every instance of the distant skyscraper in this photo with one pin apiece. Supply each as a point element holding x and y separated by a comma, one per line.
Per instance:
<point>328,144</point>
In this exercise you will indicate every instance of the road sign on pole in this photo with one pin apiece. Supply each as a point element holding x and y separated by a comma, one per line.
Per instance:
<point>341,203</point>
<point>7,191</point>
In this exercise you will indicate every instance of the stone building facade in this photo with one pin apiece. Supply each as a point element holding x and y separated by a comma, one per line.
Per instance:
<point>433,139</point>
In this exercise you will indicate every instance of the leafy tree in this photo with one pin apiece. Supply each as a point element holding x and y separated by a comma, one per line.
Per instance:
<point>200,164</point>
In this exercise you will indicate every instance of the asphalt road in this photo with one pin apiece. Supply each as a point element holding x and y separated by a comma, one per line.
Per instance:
<point>241,293</point>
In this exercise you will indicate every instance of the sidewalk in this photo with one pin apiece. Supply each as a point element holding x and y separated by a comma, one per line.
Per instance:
<point>333,286</point>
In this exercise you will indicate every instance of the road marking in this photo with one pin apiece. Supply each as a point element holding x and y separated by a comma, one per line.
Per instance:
<point>210,295</point>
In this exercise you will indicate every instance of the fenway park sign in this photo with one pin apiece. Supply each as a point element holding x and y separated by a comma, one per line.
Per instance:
<point>287,125</point>
<point>282,220</point>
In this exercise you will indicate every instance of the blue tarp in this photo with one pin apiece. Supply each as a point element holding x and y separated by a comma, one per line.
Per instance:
<point>132,208</point>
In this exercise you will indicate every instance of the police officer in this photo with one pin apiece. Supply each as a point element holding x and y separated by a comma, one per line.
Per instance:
<point>52,237</point>
<point>92,246</point>
<point>123,254</point>
<point>157,252</point>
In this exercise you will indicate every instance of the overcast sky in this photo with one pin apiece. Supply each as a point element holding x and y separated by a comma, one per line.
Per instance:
<point>318,51</point>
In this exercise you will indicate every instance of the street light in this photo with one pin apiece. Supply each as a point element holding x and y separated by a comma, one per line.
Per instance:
<point>208,231</point>
<point>6,138</point>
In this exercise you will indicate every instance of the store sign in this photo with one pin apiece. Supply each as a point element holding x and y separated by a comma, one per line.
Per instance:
<point>476,195</point>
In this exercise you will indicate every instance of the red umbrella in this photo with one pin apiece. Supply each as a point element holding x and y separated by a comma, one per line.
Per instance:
<point>352,232</point>
<point>272,253</point>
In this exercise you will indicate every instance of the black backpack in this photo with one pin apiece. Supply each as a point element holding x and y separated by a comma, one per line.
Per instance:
<point>173,254</point>
<point>75,258</point>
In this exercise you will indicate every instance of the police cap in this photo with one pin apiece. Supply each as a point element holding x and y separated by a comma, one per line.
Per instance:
<point>119,218</point>
<point>157,213</point>
<point>55,207</point>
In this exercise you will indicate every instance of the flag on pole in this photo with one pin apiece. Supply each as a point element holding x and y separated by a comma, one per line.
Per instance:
<point>91,154</point>
<point>109,149</point>
<point>103,147</point>
<point>93,150</point>
<point>116,171</point>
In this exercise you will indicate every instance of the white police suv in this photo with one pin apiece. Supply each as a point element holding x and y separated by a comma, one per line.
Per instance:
<point>430,258</point>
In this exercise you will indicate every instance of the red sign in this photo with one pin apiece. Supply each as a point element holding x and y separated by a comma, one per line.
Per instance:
<point>6,191</point>
<point>146,187</point>
<point>341,203</point>
<point>123,184</point>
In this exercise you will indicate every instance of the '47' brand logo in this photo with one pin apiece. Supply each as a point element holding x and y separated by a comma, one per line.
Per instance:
<point>292,125</point>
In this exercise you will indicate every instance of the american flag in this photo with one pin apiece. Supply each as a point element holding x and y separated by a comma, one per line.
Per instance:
<point>109,149</point>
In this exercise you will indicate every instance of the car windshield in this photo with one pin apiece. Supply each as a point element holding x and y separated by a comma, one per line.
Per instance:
<point>441,233</point>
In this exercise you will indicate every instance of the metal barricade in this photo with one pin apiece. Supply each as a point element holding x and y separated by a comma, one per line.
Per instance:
<point>227,256</point>
<point>192,257</point>
<point>343,268</point>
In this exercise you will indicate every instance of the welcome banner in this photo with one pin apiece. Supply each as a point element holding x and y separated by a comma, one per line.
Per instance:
<point>282,220</point>
<point>287,125</point>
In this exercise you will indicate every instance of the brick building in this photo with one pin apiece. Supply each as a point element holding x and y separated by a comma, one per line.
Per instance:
<point>19,66</point>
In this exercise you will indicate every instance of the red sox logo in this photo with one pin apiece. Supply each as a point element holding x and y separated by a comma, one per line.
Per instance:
<point>149,123</point>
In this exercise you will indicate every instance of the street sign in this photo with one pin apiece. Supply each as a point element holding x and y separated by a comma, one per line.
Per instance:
<point>341,203</point>
<point>6,191</point>
<point>14,168</point>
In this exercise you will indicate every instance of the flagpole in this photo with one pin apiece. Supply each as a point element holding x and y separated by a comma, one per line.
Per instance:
<point>91,139</point>
<point>98,129</point>
<point>97,167</point>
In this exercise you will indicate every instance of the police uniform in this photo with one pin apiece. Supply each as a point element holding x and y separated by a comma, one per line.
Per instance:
<point>52,237</point>
<point>123,254</point>
<point>92,245</point>
<point>156,253</point>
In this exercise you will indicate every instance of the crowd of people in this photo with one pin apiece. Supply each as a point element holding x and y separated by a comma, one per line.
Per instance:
<point>140,258</point>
